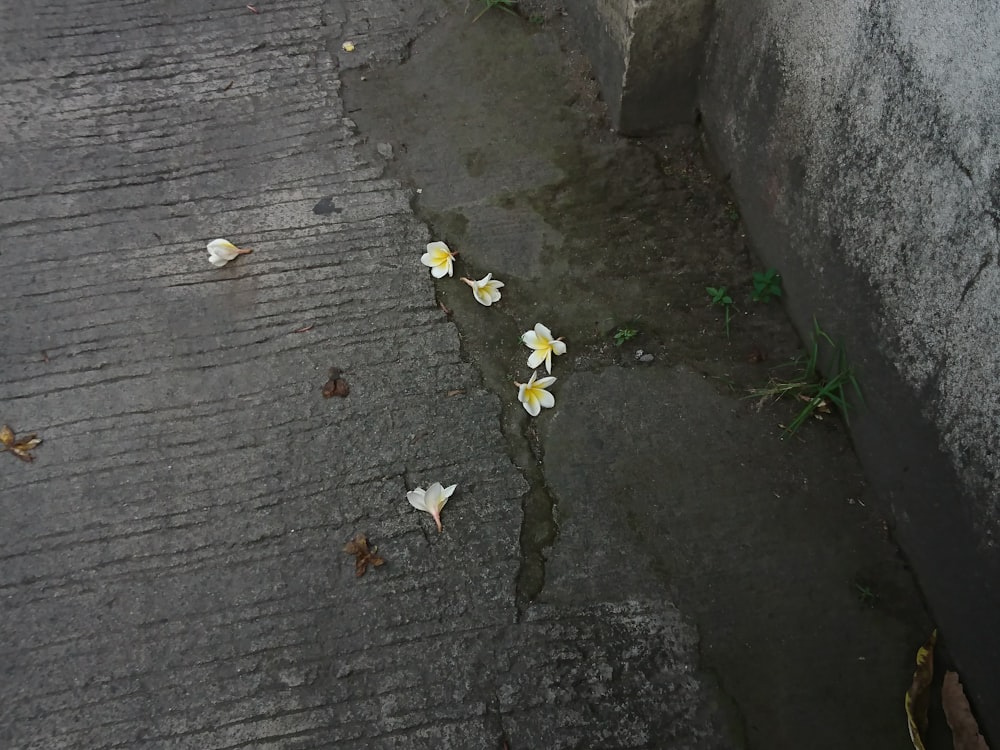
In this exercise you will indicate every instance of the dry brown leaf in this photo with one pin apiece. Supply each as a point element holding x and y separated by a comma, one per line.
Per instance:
<point>305,329</point>
<point>455,392</point>
<point>19,447</point>
<point>964,729</point>
<point>363,555</point>
<point>918,696</point>
<point>336,385</point>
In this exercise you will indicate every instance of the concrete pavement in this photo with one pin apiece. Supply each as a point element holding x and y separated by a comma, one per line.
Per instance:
<point>172,570</point>
<point>173,573</point>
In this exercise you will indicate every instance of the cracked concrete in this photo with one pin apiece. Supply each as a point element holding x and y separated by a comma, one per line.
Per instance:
<point>172,568</point>
<point>668,492</point>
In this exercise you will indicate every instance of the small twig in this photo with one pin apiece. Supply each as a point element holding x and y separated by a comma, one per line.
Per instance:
<point>253,10</point>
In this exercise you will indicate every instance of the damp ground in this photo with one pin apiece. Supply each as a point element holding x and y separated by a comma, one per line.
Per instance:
<point>654,477</point>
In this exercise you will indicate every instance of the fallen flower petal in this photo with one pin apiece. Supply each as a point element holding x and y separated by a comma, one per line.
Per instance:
<point>431,501</point>
<point>486,290</point>
<point>534,396</point>
<point>20,447</point>
<point>348,46</point>
<point>439,258</point>
<point>363,554</point>
<point>918,696</point>
<point>336,385</point>
<point>222,251</point>
<point>540,339</point>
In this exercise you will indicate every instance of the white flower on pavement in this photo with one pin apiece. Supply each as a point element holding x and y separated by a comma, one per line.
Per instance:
<point>486,290</point>
<point>534,396</point>
<point>439,258</point>
<point>540,339</point>
<point>222,251</point>
<point>431,501</point>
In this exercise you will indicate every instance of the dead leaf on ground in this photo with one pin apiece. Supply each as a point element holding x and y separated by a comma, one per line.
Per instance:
<point>958,712</point>
<point>20,447</point>
<point>363,555</point>
<point>822,405</point>
<point>455,392</point>
<point>756,355</point>
<point>336,385</point>
<point>305,329</point>
<point>918,696</point>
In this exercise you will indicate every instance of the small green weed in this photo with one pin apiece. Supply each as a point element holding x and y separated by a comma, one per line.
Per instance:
<point>625,333</point>
<point>505,5</point>
<point>866,595</point>
<point>719,296</point>
<point>766,285</point>
<point>817,392</point>
<point>536,20</point>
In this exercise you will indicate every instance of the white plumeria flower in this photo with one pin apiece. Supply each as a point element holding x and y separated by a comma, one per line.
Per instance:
<point>221,252</point>
<point>431,501</point>
<point>544,345</point>
<point>533,395</point>
<point>439,258</point>
<point>486,290</point>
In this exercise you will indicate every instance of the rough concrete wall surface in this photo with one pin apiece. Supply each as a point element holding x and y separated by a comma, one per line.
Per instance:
<point>863,143</point>
<point>647,56</point>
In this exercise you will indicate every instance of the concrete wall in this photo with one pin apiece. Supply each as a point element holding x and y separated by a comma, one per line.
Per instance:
<point>862,140</point>
<point>665,38</point>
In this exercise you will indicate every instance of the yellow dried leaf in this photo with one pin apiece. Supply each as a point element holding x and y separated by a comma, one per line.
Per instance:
<point>918,696</point>
<point>964,729</point>
<point>19,448</point>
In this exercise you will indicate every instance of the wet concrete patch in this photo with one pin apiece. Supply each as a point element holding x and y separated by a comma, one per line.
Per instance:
<point>653,479</point>
<point>770,551</point>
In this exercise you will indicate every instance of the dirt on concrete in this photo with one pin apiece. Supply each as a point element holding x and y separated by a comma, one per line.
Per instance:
<point>654,478</point>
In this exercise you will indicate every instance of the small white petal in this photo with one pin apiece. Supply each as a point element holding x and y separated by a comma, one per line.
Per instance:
<point>449,491</point>
<point>439,272</point>
<point>559,347</point>
<point>426,260</point>
<point>546,399</point>
<point>532,406</point>
<point>433,496</point>
<point>416,498</point>
<point>544,382</point>
<point>530,338</point>
<point>537,357</point>
<point>542,331</point>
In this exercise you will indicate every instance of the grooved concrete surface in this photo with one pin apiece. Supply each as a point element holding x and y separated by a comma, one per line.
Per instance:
<point>172,573</point>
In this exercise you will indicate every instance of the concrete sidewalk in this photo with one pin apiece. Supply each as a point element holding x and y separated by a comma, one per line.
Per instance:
<point>172,572</point>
